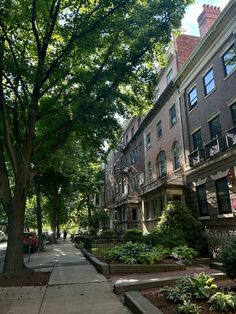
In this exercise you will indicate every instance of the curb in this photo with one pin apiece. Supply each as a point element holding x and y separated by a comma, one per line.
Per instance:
<point>122,287</point>
<point>138,304</point>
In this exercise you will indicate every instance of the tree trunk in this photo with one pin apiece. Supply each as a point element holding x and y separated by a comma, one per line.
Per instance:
<point>54,218</point>
<point>14,259</point>
<point>39,220</point>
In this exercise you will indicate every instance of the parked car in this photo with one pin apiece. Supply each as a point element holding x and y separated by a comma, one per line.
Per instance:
<point>3,236</point>
<point>30,236</point>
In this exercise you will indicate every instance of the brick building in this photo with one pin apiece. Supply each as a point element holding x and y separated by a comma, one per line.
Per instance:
<point>183,149</point>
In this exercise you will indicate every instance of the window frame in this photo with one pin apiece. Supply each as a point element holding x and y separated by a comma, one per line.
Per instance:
<point>226,73</point>
<point>161,164</point>
<point>232,115</point>
<point>218,134</point>
<point>206,84</point>
<point>203,207</point>
<point>201,144</point>
<point>219,199</point>
<point>172,123</point>
<point>148,140</point>
<point>169,76</point>
<point>159,129</point>
<point>191,104</point>
<point>176,150</point>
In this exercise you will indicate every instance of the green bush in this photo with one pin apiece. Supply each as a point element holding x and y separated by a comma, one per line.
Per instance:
<point>176,219</point>
<point>175,295</point>
<point>131,253</point>
<point>223,302</point>
<point>133,235</point>
<point>167,238</point>
<point>184,253</point>
<point>228,259</point>
<point>199,286</point>
<point>109,233</point>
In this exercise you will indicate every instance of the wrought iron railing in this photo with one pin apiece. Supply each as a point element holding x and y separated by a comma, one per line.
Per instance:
<point>231,137</point>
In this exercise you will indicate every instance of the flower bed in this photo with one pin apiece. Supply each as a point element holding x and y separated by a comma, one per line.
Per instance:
<point>196,295</point>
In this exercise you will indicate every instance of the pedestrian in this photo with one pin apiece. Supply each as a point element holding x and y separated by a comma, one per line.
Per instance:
<point>64,235</point>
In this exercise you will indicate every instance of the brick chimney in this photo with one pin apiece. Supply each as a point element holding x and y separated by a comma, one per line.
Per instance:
<point>208,16</point>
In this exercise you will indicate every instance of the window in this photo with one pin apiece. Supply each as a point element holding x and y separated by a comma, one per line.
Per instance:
<point>148,140</point>
<point>159,129</point>
<point>176,158</point>
<point>197,139</point>
<point>192,98</point>
<point>172,115</point>
<point>126,139</point>
<point>141,178</point>
<point>215,127</point>
<point>161,164</point>
<point>229,60</point>
<point>169,76</point>
<point>139,121</point>
<point>223,198</point>
<point>134,214</point>
<point>149,171</point>
<point>202,200</point>
<point>233,113</point>
<point>209,83</point>
<point>132,131</point>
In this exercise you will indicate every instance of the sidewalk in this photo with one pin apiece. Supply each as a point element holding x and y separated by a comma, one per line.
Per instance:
<point>75,287</point>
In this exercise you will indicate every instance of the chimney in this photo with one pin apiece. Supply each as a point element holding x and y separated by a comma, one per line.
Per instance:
<point>208,16</point>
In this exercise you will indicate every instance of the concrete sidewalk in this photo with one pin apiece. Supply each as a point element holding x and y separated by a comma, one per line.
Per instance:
<point>74,287</point>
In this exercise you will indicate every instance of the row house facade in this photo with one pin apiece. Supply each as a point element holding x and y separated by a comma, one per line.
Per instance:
<point>183,149</point>
<point>207,86</point>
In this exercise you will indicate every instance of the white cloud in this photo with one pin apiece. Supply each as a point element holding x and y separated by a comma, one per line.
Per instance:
<point>189,22</point>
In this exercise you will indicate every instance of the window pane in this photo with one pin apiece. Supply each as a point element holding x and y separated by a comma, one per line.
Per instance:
<point>176,158</point>
<point>148,140</point>
<point>202,200</point>
<point>209,82</point>
<point>233,113</point>
<point>223,198</point>
<point>215,127</point>
<point>161,164</point>
<point>172,114</point>
<point>192,96</point>
<point>159,129</point>
<point>229,59</point>
<point>197,139</point>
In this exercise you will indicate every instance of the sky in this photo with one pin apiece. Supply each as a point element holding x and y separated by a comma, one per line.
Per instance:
<point>189,23</point>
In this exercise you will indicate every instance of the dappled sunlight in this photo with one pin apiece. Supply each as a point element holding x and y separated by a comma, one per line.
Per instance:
<point>126,281</point>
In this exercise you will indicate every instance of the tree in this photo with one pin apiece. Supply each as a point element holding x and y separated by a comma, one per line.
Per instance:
<point>69,65</point>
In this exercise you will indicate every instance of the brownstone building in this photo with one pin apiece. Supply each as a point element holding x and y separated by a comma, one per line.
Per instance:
<point>207,85</point>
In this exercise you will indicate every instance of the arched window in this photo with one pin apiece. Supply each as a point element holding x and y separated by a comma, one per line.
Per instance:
<point>149,171</point>
<point>176,157</point>
<point>161,164</point>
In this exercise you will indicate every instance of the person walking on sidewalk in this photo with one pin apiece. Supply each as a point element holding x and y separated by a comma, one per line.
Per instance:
<point>64,235</point>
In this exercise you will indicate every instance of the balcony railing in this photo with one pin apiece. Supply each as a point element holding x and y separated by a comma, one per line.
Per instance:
<point>231,137</point>
<point>213,147</point>
<point>196,156</point>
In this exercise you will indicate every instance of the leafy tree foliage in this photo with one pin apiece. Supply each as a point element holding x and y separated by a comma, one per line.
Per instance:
<point>69,65</point>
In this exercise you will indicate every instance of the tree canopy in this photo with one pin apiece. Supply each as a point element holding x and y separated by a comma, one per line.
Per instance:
<point>70,65</point>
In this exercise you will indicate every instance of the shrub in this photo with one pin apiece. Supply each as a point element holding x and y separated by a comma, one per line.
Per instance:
<point>199,286</point>
<point>133,235</point>
<point>228,259</point>
<point>184,253</point>
<point>109,233</point>
<point>166,238</point>
<point>189,308</point>
<point>221,301</point>
<point>131,253</point>
<point>177,219</point>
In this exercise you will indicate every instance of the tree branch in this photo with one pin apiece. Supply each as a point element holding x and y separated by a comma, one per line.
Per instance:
<point>35,30</point>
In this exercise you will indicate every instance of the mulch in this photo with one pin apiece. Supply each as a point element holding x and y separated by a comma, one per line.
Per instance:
<point>25,277</point>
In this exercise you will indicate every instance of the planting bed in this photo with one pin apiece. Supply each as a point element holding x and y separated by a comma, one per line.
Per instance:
<point>167,307</point>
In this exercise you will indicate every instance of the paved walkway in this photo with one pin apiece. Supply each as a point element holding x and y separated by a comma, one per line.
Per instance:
<point>75,287</point>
